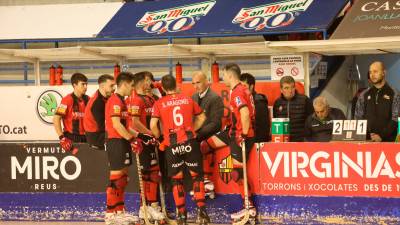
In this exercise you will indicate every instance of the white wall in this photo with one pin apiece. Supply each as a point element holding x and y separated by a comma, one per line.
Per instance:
<point>55,21</point>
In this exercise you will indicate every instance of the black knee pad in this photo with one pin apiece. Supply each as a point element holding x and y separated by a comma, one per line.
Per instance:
<point>237,174</point>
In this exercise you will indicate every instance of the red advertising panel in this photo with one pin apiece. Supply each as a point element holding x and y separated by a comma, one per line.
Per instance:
<point>330,169</point>
<point>270,89</point>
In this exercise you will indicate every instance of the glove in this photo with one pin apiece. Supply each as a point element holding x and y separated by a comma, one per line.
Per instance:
<point>161,144</point>
<point>204,147</point>
<point>160,139</point>
<point>65,143</point>
<point>146,138</point>
<point>136,146</point>
<point>241,139</point>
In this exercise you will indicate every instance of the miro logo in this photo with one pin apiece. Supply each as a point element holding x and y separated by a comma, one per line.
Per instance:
<point>46,105</point>
<point>278,14</point>
<point>175,19</point>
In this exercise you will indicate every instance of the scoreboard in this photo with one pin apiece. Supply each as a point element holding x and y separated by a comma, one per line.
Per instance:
<point>349,130</point>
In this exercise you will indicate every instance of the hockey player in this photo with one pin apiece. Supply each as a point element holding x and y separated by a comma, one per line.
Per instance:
<point>71,111</point>
<point>140,108</point>
<point>93,120</point>
<point>120,144</point>
<point>241,130</point>
<point>175,112</point>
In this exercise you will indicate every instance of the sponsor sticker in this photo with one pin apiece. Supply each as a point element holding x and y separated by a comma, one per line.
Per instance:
<point>46,106</point>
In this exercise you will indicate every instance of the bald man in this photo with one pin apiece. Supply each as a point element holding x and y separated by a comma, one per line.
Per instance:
<point>319,125</point>
<point>213,106</point>
<point>379,105</point>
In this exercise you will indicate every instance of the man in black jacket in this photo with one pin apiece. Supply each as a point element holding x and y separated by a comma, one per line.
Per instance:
<point>319,125</point>
<point>292,105</point>
<point>213,106</point>
<point>262,125</point>
<point>379,105</point>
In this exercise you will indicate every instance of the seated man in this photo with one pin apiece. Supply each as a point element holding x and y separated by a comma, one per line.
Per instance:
<point>318,127</point>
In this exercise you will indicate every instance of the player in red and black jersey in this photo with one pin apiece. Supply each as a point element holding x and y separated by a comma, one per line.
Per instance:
<point>120,144</point>
<point>241,130</point>
<point>71,111</point>
<point>94,119</point>
<point>141,106</point>
<point>180,117</point>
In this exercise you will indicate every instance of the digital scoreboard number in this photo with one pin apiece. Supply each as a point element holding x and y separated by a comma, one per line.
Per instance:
<point>349,130</point>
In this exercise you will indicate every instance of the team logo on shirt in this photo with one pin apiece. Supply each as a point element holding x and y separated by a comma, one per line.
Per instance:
<point>135,110</point>
<point>48,104</point>
<point>238,101</point>
<point>225,168</point>
<point>117,109</point>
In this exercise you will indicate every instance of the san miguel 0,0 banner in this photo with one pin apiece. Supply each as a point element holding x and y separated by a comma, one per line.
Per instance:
<point>326,169</point>
<point>271,15</point>
<point>174,19</point>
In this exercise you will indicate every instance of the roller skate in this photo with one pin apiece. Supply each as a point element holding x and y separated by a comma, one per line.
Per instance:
<point>121,218</point>
<point>181,218</point>
<point>202,217</point>
<point>154,213</point>
<point>238,216</point>
<point>109,218</point>
<point>208,188</point>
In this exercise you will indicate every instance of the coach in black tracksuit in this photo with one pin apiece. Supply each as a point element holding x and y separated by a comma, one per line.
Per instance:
<point>292,105</point>
<point>379,105</point>
<point>318,127</point>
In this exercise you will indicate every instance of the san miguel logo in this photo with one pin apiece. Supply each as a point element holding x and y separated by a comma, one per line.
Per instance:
<point>277,14</point>
<point>225,168</point>
<point>174,19</point>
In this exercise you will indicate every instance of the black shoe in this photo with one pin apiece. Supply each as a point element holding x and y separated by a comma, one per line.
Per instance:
<point>202,217</point>
<point>181,219</point>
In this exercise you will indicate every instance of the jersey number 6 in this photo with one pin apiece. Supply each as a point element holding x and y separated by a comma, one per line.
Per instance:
<point>178,118</point>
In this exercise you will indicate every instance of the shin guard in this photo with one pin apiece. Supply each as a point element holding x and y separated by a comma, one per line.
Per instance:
<point>179,193</point>
<point>208,164</point>
<point>116,192</point>
<point>151,180</point>
<point>198,189</point>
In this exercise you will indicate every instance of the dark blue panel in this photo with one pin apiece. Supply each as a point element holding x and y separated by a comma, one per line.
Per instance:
<point>215,18</point>
<point>286,209</point>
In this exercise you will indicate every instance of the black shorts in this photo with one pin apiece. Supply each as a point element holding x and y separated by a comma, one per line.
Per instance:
<point>75,138</point>
<point>183,155</point>
<point>119,153</point>
<point>96,140</point>
<point>236,150</point>
<point>148,157</point>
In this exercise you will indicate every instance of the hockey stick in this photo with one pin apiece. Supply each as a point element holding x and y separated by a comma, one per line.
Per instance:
<point>162,197</point>
<point>246,190</point>
<point>144,205</point>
